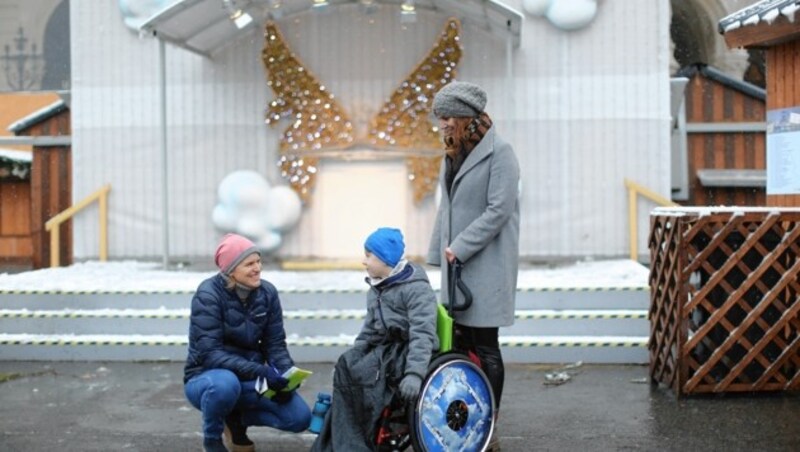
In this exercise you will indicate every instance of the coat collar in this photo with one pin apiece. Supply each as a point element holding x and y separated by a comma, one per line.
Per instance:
<point>481,151</point>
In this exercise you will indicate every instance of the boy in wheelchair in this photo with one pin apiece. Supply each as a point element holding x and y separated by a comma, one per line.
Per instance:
<point>392,351</point>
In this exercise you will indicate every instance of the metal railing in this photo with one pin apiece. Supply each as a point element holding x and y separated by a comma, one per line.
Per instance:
<point>634,190</point>
<point>52,225</point>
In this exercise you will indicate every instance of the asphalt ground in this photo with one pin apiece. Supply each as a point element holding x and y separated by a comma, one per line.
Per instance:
<point>124,406</point>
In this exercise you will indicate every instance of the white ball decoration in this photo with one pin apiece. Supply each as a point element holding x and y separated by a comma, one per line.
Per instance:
<point>223,217</point>
<point>269,242</point>
<point>284,207</point>
<point>252,224</point>
<point>252,197</point>
<point>572,14</point>
<point>536,7</point>
<point>232,185</point>
<point>249,206</point>
<point>565,14</point>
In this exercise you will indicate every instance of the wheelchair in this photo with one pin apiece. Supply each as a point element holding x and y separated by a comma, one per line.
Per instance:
<point>455,410</point>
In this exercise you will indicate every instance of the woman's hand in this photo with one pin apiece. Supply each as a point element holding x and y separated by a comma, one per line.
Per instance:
<point>282,397</point>
<point>449,255</point>
<point>275,381</point>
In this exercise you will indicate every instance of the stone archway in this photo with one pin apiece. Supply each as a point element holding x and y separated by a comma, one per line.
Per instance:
<point>695,39</point>
<point>57,50</point>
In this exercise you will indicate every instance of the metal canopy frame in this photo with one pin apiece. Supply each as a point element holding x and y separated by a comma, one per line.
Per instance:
<point>205,27</point>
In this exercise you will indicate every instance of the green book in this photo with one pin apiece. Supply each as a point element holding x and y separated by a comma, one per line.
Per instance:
<point>295,375</point>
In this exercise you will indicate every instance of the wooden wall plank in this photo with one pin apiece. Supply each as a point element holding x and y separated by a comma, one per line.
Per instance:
<point>16,249</point>
<point>15,220</point>
<point>51,193</point>
<point>708,100</point>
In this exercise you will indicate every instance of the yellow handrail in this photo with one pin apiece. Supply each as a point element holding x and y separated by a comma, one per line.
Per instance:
<point>52,225</point>
<point>633,190</point>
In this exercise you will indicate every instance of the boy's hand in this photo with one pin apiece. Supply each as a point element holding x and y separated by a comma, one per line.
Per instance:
<point>409,387</point>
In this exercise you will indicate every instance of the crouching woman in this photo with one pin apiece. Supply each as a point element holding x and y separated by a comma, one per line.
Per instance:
<point>236,335</point>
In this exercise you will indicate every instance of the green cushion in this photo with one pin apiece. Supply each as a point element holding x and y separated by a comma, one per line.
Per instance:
<point>444,329</point>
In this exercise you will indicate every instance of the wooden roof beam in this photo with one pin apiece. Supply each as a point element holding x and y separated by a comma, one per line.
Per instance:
<point>763,34</point>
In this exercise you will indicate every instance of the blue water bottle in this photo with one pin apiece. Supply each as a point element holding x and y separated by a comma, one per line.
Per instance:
<point>321,407</point>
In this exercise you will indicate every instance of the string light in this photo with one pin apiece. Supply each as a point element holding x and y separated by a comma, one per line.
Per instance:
<point>408,11</point>
<point>239,17</point>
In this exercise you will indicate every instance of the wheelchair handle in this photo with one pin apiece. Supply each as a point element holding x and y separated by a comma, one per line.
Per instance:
<point>455,281</point>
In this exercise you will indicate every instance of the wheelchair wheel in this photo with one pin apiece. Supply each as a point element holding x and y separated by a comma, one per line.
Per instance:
<point>455,410</point>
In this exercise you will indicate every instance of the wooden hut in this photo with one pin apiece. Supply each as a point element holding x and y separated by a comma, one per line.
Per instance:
<point>772,25</point>
<point>16,247</point>
<point>725,146</point>
<point>50,181</point>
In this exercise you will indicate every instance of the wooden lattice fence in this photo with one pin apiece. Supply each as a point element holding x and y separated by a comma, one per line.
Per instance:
<point>724,299</point>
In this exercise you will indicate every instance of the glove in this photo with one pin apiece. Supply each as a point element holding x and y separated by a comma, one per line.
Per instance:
<point>409,387</point>
<point>274,380</point>
<point>282,397</point>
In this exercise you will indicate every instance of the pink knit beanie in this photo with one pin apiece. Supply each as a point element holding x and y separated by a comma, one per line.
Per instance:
<point>232,250</point>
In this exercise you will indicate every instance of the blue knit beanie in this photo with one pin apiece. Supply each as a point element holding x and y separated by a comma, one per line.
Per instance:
<point>387,244</point>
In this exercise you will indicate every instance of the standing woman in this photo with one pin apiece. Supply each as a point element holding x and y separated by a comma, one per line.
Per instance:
<point>235,336</point>
<point>477,222</point>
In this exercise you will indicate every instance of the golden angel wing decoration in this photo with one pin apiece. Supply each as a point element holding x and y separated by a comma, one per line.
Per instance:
<point>404,120</point>
<point>317,119</point>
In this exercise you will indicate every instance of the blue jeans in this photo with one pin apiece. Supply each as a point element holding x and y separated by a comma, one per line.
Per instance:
<point>217,392</point>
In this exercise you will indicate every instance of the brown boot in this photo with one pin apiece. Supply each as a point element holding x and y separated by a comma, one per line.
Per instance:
<point>235,434</point>
<point>213,445</point>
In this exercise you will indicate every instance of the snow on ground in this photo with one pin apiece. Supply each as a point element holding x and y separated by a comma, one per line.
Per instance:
<point>150,277</point>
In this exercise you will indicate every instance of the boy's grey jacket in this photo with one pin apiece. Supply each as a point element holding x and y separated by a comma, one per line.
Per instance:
<point>479,221</point>
<point>410,305</point>
<point>366,376</point>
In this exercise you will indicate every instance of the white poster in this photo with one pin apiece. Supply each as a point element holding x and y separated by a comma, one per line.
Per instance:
<point>783,151</point>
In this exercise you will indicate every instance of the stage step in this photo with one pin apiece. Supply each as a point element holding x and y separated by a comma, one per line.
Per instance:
<point>552,325</point>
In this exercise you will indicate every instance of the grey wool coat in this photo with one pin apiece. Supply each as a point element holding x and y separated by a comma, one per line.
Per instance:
<point>479,221</point>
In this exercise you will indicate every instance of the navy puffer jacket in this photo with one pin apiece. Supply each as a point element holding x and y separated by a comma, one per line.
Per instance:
<point>241,336</point>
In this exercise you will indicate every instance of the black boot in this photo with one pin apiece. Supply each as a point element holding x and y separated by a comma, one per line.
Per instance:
<point>236,433</point>
<point>492,366</point>
<point>213,445</point>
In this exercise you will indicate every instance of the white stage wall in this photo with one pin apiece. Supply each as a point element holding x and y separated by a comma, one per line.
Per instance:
<point>583,109</point>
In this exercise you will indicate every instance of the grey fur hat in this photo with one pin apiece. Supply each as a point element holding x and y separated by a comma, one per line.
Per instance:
<point>459,100</point>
